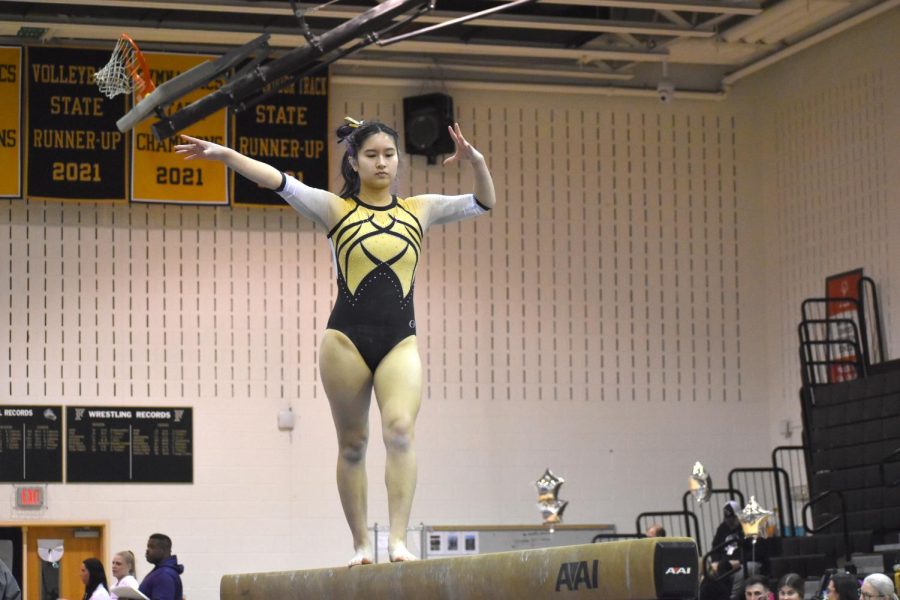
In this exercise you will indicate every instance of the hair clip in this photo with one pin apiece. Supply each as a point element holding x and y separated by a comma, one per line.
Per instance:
<point>353,123</point>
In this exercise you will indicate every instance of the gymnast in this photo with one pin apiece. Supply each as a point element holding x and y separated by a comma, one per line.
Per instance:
<point>370,340</point>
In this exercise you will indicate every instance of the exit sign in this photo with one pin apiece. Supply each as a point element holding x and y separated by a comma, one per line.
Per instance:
<point>30,496</point>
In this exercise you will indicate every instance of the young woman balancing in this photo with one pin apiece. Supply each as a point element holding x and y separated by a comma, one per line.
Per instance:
<point>370,341</point>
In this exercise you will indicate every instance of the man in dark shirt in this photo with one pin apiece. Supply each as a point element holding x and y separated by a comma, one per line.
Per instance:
<point>164,581</point>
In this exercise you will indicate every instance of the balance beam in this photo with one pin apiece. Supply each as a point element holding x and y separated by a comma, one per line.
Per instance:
<point>645,569</point>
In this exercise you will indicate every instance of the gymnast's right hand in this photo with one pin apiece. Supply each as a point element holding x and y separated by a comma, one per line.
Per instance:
<point>196,148</point>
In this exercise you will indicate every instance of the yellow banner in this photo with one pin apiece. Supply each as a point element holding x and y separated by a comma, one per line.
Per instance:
<point>160,175</point>
<point>10,122</point>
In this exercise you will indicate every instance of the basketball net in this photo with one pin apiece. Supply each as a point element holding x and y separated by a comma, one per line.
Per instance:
<point>125,72</point>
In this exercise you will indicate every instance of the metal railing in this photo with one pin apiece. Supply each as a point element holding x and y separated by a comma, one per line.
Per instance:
<point>831,350</point>
<point>793,460</point>
<point>677,523</point>
<point>871,328</point>
<point>842,518</point>
<point>771,488</point>
<point>828,329</point>
<point>708,571</point>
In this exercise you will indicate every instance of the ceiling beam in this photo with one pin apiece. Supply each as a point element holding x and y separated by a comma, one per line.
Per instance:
<point>573,25</point>
<point>675,18</point>
<point>800,45</point>
<point>731,7</point>
<point>683,29</point>
<point>219,38</point>
<point>443,68</point>
<point>574,54</point>
<point>502,86</point>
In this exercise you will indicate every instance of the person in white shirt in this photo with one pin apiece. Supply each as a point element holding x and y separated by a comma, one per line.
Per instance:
<point>94,578</point>
<point>123,572</point>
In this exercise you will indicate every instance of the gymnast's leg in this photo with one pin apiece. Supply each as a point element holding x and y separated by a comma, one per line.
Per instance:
<point>398,390</point>
<point>348,384</point>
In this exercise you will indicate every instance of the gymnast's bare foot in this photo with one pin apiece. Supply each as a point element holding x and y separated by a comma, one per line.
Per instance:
<point>400,553</point>
<point>363,556</point>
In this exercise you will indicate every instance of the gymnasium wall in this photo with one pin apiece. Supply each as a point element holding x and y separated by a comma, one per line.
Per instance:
<point>591,324</point>
<point>607,320</point>
<point>825,128</point>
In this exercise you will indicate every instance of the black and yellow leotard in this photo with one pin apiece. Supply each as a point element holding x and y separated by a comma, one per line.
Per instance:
<point>376,251</point>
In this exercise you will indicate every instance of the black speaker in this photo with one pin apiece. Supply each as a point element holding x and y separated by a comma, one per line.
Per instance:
<point>425,121</point>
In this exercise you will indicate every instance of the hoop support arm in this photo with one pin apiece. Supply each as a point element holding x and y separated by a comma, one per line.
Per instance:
<point>293,62</point>
<point>178,86</point>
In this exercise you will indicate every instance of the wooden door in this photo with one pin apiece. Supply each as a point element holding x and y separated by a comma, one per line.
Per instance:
<point>76,549</point>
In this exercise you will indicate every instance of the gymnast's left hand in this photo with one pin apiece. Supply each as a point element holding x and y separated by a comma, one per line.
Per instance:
<point>464,150</point>
<point>196,148</point>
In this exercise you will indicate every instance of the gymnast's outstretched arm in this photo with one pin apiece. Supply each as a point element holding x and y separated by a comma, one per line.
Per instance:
<point>256,171</point>
<point>314,204</point>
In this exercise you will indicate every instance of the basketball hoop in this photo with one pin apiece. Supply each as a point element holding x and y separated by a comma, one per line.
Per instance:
<point>125,72</point>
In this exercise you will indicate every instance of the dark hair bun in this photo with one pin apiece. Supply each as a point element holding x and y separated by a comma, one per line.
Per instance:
<point>344,132</point>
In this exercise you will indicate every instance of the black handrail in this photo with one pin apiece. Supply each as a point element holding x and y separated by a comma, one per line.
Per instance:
<point>810,357</point>
<point>807,401</point>
<point>858,321</point>
<point>704,562</point>
<point>804,375</point>
<point>779,500</point>
<point>878,344</point>
<point>789,496</point>
<point>832,300</point>
<point>782,449</point>
<point>882,468</point>
<point>688,515</point>
<point>863,332</point>
<point>834,519</point>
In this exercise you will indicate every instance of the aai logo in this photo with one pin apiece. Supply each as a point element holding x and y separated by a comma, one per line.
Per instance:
<point>678,571</point>
<point>573,574</point>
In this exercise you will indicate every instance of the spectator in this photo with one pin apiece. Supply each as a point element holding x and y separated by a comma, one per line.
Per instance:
<point>656,530</point>
<point>790,587</point>
<point>730,531</point>
<point>717,585</point>
<point>878,587</point>
<point>843,587</point>
<point>123,572</point>
<point>164,581</point>
<point>94,579</point>
<point>756,587</point>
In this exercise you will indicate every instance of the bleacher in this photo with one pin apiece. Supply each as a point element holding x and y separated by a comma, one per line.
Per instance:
<point>847,514</point>
<point>850,404</point>
<point>855,437</point>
